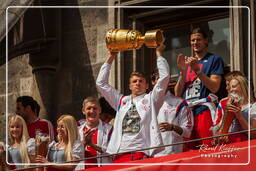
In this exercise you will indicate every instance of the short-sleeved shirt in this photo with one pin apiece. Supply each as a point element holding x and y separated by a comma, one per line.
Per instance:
<point>194,89</point>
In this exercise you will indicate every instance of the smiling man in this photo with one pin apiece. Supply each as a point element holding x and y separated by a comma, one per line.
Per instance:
<point>94,133</point>
<point>135,125</point>
<point>29,109</point>
<point>200,75</point>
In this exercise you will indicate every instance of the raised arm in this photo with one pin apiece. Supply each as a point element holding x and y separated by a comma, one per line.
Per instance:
<point>158,92</point>
<point>111,94</point>
<point>183,66</point>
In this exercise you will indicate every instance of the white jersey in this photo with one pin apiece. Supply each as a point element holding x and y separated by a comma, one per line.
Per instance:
<point>175,111</point>
<point>147,106</point>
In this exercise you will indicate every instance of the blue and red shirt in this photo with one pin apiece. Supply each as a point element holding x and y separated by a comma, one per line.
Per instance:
<point>194,89</point>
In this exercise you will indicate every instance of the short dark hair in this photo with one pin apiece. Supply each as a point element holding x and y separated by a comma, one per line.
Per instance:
<point>139,74</point>
<point>29,101</point>
<point>199,30</point>
<point>37,108</point>
<point>106,108</point>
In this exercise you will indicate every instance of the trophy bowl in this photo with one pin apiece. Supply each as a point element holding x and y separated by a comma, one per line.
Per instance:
<point>122,40</point>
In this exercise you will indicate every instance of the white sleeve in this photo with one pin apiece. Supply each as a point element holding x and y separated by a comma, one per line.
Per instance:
<point>78,150</point>
<point>158,92</point>
<point>31,144</point>
<point>111,94</point>
<point>186,121</point>
<point>253,112</point>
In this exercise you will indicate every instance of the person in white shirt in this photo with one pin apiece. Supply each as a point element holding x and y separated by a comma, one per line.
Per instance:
<point>175,120</point>
<point>94,133</point>
<point>135,125</point>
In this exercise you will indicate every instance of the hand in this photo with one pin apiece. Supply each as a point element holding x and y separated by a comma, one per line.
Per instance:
<point>160,49</point>
<point>88,137</point>
<point>182,63</point>
<point>165,126</point>
<point>41,159</point>
<point>233,108</point>
<point>220,140</point>
<point>111,57</point>
<point>193,62</point>
<point>112,54</point>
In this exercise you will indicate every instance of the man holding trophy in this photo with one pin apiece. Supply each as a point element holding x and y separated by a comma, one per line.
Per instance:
<point>135,125</point>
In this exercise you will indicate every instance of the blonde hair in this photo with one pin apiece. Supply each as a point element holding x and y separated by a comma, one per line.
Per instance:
<point>243,83</point>
<point>24,137</point>
<point>70,125</point>
<point>229,76</point>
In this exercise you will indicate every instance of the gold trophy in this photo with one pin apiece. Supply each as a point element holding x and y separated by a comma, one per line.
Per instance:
<point>122,40</point>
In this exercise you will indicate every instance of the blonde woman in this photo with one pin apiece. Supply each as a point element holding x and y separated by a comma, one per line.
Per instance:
<point>18,133</point>
<point>68,147</point>
<point>237,110</point>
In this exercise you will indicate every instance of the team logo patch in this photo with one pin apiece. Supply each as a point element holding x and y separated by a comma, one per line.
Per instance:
<point>145,108</point>
<point>144,101</point>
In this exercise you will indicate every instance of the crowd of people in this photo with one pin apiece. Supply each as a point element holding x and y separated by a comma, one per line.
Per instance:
<point>118,124</point>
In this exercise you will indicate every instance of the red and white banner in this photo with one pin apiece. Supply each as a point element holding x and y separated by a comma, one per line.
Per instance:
<point>231,157</point>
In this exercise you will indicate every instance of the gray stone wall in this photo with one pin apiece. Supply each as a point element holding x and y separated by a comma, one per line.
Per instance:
<point>20,82</point>
<point>82,54</point>
<point>81,46</point>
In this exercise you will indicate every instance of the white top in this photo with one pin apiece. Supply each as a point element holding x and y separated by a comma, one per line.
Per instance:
<point>57,155</point>
<point>147,105</point>
<point>253,112</point>
<point>175,111</point>
<point>133,137</point>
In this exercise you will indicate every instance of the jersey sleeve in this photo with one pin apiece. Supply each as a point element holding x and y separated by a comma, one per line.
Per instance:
<point>158,92</point>
<point>107,91</point>
<point>217,66</point>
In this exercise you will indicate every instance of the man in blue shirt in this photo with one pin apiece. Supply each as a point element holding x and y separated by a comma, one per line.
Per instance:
<point>200,75</point>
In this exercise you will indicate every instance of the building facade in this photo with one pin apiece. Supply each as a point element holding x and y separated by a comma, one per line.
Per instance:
<point>54,53</point>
